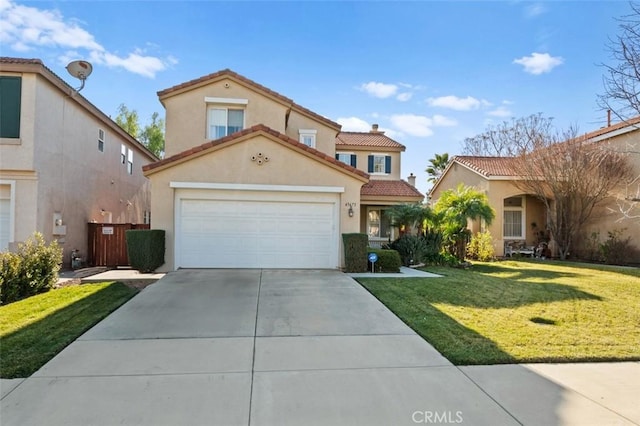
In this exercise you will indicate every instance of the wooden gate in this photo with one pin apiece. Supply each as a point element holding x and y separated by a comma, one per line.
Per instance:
<point>108,245</point>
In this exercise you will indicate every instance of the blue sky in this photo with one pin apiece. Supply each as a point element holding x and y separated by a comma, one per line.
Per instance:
<point>429,73</point>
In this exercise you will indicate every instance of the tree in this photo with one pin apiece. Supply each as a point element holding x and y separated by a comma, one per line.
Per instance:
<point>128,120</point>
<point>151,135</point>
<point>509,138</point>
<point>407,216</point>
<point>622,78</point>
<point>438,164</point>
<point>570,175</point>
<point>456,207</point>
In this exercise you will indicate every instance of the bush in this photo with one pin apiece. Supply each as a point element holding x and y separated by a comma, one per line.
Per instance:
<point>616,250</point>
<point>410,248</point>
<point>481,247</point>
<point>145,248</point>
<point>355,252</point>
<point>388,260</point>
<point>31,270</point>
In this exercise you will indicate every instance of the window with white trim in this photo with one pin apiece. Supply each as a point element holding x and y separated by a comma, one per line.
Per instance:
<point>379,164</point>
<point>513,219</point>
<point>223,121</point>
<point>347,158</point>
<point>129,161</point>
<point>100,140</point>
<point>378,224</point>
<point>308,137</point>
<point>123,154</point>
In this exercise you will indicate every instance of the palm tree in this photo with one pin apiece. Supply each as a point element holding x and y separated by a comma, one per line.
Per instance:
<point>407,216</point>
<point>438,164</point>
<point>456,207</point>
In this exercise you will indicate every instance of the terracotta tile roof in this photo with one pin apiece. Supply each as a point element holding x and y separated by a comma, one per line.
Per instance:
<point>617,126</point>
<point>390,188</point>
<point>367,139</point>
<point>229,73</point>
<point>8,60</point>
<point>487,166</point>
<point>255,129</point>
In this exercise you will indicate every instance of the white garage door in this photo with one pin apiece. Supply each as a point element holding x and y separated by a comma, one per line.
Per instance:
<point>223,233</point>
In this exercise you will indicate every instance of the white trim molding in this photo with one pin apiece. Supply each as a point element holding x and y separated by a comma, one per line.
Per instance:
<point>233,101</point>
<point>255,187</point>
<point>12,209</point>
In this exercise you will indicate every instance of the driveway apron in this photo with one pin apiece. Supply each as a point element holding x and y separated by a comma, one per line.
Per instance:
<point>250,347</point>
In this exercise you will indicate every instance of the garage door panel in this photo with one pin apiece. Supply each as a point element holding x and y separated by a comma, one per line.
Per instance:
<point>260,234</point>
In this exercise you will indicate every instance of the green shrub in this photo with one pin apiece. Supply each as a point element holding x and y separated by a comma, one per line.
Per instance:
<point>617,250</point>
<point>355,252</point>
<point>388,260</point>
<point>410,248</point>
<point>481,247</point>
<point>31,270</point>
<point>145,248</point>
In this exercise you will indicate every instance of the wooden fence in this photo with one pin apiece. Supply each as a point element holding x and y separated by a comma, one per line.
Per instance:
<point>107,244</point>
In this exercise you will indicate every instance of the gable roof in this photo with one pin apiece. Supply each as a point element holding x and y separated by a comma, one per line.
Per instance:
<point>36,66</point>
<point>390,188</point>
<point>227,73</point>
<point>368,139</point>
<point>254,130</point>
<point>487,166</point>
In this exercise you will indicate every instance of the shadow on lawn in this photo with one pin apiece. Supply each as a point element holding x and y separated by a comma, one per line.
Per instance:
<point>27,349</point>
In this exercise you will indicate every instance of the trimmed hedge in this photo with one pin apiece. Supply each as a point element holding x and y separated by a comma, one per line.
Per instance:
<point>145,248</point>
<point>31,270</point>
<point>388,260</point>
<point>355,252</point>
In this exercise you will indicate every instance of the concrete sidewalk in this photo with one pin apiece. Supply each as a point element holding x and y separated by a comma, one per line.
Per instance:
<point>268,347</point>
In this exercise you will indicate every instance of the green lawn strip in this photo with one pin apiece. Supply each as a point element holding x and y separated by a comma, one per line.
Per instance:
<point>521,311</point>
<point>34,330</point>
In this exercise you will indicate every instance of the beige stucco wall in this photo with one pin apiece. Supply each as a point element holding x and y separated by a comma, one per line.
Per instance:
<point>57,168</point>
<point>362,158</point>
<point>325,137</point>
<point>186,113</point>
<point>286,166</point>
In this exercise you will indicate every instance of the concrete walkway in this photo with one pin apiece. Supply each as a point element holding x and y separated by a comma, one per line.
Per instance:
<point>269,347</point>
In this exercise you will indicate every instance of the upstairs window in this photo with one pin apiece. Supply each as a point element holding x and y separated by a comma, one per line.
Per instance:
<point>129,161</point>
<point>100,140</point>
<point>308,137</point>
<point>224,121</point>
<point>10,97</point>
<point>123,154</point>
<point>347,158</point>
<point>379,164</point>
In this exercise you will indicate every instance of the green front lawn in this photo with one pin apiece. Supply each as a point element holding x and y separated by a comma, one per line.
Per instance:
<point>521,311</point>
<point>34,330</point>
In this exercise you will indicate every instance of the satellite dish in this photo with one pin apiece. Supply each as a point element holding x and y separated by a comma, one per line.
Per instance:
<point>80,70</point>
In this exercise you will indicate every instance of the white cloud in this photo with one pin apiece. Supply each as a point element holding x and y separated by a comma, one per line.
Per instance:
<point>534,10</point>
<point>379,90</point>
<point>456,103</point>
<point>501,111</point>
<point>539,63</point>
<point>414,125</point>
<point>353,124</point>
<point>26,28</point>
<point>442,121</point>
<point>405,96</point>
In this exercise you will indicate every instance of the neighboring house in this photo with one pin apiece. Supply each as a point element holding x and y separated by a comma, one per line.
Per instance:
<point>520,222</point>
<point>63,162</point>
<point>252,179</point>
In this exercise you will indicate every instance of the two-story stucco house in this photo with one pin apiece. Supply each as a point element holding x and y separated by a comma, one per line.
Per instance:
<point>521,218</point>
<point>252,179</point>
<point>63,162</point>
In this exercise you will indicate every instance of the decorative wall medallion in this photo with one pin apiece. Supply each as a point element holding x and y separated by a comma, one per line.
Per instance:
<point>259,158</point>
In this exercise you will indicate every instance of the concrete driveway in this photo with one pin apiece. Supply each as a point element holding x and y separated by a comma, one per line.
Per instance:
<point>270,347</point>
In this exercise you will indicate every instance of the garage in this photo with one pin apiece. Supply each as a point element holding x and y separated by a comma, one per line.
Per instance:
<point>256,229</point>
